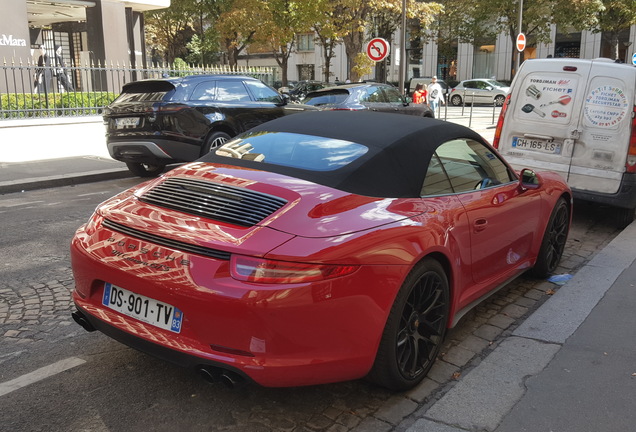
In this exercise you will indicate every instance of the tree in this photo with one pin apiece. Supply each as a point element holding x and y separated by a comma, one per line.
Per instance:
<point>284,19</point>
<point>492,17</point>
<point>172,27</point>
<point>618,15</point>
<point>386,16</point>
<point>238,25</point>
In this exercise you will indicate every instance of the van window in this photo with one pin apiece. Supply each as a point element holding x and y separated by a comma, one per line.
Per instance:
<point>546,98</point>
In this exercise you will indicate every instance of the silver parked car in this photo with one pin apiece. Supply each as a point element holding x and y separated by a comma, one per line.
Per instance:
<point>482,91</point>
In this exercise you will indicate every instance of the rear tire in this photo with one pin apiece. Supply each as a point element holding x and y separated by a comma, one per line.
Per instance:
<point>553,244</point>
<point>499,100</point>
<point>145,170</point>
<point>214,141</point>
<point>624,216</point>
<point>456,100</point>
<point>415,329</point>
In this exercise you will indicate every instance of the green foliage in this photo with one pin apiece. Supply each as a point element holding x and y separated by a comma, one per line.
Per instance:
<point>54,104</point>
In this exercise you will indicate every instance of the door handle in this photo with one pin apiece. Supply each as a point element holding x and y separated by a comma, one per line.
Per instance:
<point>480,224</point>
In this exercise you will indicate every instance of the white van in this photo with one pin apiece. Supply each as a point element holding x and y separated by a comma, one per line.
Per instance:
<point>575,117</point>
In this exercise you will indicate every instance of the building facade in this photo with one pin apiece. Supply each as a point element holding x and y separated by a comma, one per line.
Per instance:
<point>90,32</point>
<point>488,59</point>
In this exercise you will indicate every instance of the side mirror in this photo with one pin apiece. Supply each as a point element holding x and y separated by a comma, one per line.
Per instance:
<point>528,179</point>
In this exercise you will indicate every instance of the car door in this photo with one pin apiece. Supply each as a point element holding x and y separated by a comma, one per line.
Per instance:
<point>503,220</point>
<point>600,150</point>
<point>542,122</point>
<point>237,107</point>
<point>373,99</point>
<point>395,100</point>
<point>272,104</point>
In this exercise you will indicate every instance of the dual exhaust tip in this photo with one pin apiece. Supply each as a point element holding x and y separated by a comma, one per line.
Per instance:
<point>209,373</point>
<point>214,375</point>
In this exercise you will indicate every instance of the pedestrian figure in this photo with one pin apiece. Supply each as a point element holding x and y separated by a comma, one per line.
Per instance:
<point>419,95</point>
<point>435,96</point>
<point>60,73</point>
<point>43,73</point>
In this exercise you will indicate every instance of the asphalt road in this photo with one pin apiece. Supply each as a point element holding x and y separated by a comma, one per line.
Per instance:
<point>55,376</point>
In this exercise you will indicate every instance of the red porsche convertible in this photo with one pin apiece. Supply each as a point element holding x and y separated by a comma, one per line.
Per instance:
<point>316,248</point>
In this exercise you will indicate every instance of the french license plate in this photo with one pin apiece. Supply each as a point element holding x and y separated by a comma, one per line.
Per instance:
<point>126,122</point>
<point>536,145</point>
<point>143,308</point>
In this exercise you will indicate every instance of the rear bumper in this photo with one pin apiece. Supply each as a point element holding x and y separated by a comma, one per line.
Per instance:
<point>624,198</point>
<point>155,151</point>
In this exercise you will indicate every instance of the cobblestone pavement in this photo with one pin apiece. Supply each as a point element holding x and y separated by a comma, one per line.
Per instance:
<point>34,311</point>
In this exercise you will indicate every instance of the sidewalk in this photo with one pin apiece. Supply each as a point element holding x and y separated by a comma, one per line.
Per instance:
<point>44,153</point>
<point>569,367</point>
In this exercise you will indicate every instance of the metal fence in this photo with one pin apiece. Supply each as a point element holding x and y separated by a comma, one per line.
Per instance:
<point>31,91</point>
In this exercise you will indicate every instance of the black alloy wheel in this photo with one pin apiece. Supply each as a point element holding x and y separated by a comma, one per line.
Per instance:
<point>145,170</point>
<point>553,244</point>
<point>415,329</point>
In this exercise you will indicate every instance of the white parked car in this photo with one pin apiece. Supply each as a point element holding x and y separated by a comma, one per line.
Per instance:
<point>479,91</point>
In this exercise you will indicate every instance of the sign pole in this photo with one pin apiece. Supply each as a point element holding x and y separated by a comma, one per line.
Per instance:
<point>403,64</point>
<point>519,32</point>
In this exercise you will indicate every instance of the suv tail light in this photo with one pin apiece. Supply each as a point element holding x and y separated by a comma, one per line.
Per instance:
<point>630,165</point>
<point>502,114</point>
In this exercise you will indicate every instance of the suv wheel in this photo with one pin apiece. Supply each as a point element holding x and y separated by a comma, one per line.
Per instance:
<point>214,141</point>
<point>145,170</point>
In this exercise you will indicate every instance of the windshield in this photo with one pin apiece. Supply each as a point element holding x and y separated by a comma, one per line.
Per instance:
<point>306,152</point>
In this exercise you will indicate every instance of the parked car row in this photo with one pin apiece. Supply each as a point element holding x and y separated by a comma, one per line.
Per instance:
<point>154,123</point>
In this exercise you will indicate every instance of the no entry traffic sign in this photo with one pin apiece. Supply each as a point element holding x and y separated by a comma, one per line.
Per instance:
<point>378,49</point>
<point>521,42</point>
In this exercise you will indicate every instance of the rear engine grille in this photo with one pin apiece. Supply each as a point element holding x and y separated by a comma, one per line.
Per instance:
<point>162,241</point>
<point>214,201</point>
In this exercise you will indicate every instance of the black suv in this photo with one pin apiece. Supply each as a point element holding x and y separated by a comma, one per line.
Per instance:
<point>157,122</point>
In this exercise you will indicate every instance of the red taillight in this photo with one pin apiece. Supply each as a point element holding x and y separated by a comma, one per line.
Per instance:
<point>630,165</point>
<point>171,108</point>
<point>502,114</point>
<point>260,270</point>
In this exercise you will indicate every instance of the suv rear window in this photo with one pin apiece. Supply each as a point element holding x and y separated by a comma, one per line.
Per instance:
<point>332,97</point>
<point>145,91</point>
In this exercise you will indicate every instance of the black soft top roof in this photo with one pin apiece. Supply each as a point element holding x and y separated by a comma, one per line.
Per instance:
<point>400,149</point>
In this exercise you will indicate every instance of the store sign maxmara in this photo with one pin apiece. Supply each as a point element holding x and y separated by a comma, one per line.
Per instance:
<point>9,40</point>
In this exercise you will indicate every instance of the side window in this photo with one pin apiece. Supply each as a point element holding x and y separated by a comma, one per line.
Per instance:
<point>471,165</point>
<point>470,84</point>
<point>262,93</point>
<point>393,95</point>
<point>436,181</point>
<point>372,95</point>
<point>481,85</point>
<point>204,91</point>
<point>231,91</point>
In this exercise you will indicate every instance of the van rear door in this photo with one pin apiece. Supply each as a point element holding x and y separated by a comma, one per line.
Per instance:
<point>542,121</point>
<point>600,152</point>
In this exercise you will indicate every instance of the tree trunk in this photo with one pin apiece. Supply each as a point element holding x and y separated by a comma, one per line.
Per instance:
<point>353,45</point>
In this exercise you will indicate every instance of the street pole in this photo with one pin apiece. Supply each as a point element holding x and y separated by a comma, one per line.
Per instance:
<point>402,68</point>
<point>518,32</point>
